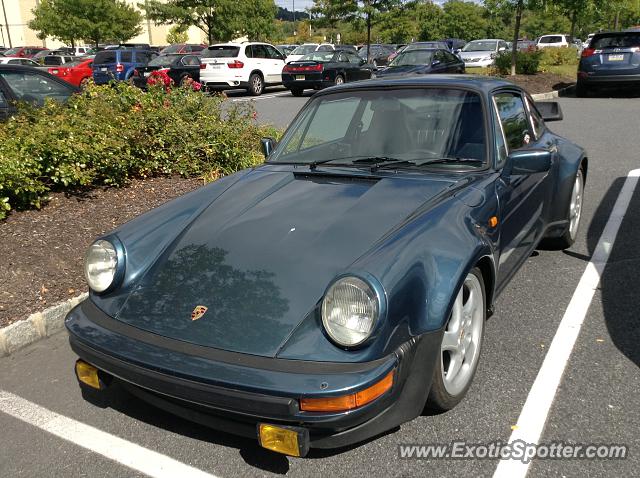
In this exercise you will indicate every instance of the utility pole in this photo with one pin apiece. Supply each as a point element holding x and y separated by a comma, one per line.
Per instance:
<point>294,17</point>
<point>146,4</point>
<point>6,24</point>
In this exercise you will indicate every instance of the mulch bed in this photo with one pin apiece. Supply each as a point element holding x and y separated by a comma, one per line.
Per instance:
<point>542,82</point>
<point>43,250</point>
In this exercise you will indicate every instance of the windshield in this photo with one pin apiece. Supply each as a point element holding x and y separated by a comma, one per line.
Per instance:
<point>321,56</point>
<point>407,124</point>
<point>412,58</point>
<point>172,49</point>
<point>481,45</point>
<point>162,60</point>
<point>551,39</point>
<point>11,51</point>
<point>416,46</point>
<point>304,49</point>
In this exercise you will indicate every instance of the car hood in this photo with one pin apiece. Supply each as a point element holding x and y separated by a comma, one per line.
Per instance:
<point>260,257</point>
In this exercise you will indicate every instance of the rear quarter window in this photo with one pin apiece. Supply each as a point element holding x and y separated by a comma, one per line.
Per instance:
<point>126,56</point>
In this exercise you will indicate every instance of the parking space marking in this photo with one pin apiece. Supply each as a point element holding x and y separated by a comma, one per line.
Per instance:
<point>533,416</point>
<point>117,449</point>
<point>261,97</point>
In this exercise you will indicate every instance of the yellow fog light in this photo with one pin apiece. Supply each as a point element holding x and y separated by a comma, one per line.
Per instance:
<point>287,440</point>
<point>87,374</point>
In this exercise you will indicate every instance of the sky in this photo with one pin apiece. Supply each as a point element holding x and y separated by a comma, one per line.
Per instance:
<point>302,4</point>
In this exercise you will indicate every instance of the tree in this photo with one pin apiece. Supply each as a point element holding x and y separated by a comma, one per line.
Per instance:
<point>430,19</point>
<point>464,20</point>
<point>177,35</point>
<point>94,20</point>
<point>221,20</point>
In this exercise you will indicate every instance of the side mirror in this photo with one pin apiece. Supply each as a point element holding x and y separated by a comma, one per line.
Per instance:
<point>529,161</point>
<point>435,62</point>
<point>550,110</point>
<point>268,145</point>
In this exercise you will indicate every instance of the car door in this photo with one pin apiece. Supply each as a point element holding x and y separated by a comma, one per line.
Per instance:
<point>276,63</point>
<point>360,72</point>
<point>455,65</point>
<point>522,196</point>
<point>439,62</point>
<point>341,63</point>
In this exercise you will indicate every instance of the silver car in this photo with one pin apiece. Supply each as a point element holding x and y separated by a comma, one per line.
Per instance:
<point>482,53</point>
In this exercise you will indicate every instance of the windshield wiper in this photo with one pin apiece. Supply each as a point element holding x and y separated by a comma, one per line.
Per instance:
<point>452,160</point>
<point>368,159</point>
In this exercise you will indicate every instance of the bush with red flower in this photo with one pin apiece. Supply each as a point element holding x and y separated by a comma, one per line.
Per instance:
<point>160,77</point>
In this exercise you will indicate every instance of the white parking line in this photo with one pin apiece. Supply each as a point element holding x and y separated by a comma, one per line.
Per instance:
<point>122,451</point>
<point>533,416</point>
<point>262,97</point>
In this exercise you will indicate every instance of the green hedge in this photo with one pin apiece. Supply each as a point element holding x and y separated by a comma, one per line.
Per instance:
<point>110,134</point>
<point>527,63</point>
<point>558,56</point>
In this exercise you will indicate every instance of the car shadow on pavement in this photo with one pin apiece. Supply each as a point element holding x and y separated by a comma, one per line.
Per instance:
<point>619,284</point>
<point>119,399</point>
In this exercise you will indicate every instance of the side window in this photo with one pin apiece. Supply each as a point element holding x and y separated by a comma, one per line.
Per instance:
<point>513,118</point>
<point>451,58</point>
<point>190,61</point>
<point>259,51</point>
<point>273,53</point>
<point>342,58</point>
<point>248,51</point>
<point>353,58</point>
<point>33,87</point>
<point>536,118</point>
<point>501,146</point>
<point>439,56</point>
<point>125,57</point>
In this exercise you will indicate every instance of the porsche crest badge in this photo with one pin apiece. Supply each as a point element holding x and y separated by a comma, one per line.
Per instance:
<point>198,312</point>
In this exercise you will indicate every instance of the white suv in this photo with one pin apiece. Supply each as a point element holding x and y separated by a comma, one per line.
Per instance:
<point>553,41</point>
<point>249,65</point>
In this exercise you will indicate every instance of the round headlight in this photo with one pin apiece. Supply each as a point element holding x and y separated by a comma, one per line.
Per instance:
<point>350,311</point>
<point>100,265</point>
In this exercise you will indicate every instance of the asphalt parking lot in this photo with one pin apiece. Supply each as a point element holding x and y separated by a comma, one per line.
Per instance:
<point>597,401</point>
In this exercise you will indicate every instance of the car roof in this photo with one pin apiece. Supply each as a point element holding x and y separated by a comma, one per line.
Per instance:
<point>481,84</point>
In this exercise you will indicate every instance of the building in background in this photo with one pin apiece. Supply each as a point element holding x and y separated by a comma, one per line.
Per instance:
<point>16,14</point>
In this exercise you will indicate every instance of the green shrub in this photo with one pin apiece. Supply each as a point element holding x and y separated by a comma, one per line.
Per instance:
<point>558,57</point>
<point>110,134</point>
<point>527,63</point>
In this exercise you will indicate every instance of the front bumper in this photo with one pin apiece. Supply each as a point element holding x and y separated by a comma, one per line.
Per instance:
<point>478,64</point>
<point>234,392</point>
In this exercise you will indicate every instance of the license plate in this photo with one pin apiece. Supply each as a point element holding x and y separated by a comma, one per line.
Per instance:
<point>616,57</point>
<point>147,73</point>
<point>214,65</point>
<point>299,77</point>
<point>104,69</point>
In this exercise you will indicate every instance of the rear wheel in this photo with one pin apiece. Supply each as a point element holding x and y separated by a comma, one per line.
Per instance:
<point>574,214</point>
<point>296,91</point>
<point>256,85</point>
<point>339,80</point>
<point>184,79</point>
<point>461,345</point>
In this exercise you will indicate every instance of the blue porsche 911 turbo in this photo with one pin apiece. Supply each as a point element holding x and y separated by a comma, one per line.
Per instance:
<point>335,291</point>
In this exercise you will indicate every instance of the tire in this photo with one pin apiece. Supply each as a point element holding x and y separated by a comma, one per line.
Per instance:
<point>183,79</point>
<point>573,216</point>
<point>339,80</point>
<point>256,84</point>
<point>463,338</point>
<point>581,90</point>
<point>296,91</point>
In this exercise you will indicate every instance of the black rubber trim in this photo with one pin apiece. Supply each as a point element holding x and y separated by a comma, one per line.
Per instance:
<point>98,317</point>
<point>188,390</point>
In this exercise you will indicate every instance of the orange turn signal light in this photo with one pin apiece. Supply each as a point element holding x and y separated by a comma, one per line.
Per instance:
<point>348,402</point>
<point>493,221</point>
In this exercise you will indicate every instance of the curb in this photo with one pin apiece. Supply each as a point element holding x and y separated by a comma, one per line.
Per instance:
<point>552,94</point>
<point>37,326</point>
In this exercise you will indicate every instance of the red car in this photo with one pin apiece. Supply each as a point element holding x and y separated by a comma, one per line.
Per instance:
<point>23,51</point>
<point>77,72</point>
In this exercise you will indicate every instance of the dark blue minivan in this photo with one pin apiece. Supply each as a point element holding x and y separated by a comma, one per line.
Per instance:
<point>119,64</point>
<point>610,59</point>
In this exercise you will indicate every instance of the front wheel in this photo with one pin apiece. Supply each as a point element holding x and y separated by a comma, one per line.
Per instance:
<point>339,80</point>
<point>461,345</point>
<point>256,85</point>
